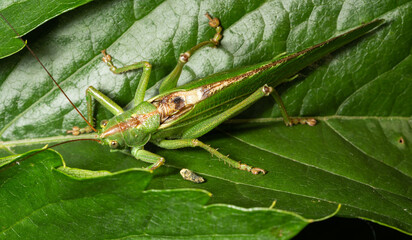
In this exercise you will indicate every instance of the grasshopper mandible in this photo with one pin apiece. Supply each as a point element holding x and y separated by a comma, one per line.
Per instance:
<point>179,115</point>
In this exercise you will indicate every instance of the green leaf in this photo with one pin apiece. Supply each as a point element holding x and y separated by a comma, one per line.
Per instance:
<point>26,15</point>
<point>41,199</point>
<point>358,155</point>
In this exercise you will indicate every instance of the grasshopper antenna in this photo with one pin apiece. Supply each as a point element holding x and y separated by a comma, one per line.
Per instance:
<point>35,56</point>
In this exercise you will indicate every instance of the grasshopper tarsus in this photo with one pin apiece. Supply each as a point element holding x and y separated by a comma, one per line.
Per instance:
<point>256,171</point>
<point>311,122</point>
<point>253,170</point>
<point>106,57</point>
<point>77,131</point>
<point>290,121</point>
<point>157,164</point>
<point>213,22</point>
<point>304,121</point>
<point>108,60</point>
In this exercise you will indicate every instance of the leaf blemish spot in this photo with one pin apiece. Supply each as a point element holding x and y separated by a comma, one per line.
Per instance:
<point>401,140</point>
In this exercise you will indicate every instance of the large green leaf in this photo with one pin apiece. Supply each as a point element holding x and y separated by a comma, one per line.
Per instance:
<point>39,201</point>
<point>358,155</point>
<point>26,15</point>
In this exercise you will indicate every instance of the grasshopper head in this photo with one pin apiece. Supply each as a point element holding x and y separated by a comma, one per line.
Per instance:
<point>111,134</point>
<point>132,128</point>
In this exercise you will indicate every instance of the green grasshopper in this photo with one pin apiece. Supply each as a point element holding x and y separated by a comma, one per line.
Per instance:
<point>179,115</point>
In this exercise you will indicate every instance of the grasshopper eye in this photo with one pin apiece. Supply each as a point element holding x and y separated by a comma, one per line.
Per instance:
<point>103,123</point>
<point>114,144</point>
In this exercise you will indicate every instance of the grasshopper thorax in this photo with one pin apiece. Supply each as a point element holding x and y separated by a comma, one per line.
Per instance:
<point>131,128</point>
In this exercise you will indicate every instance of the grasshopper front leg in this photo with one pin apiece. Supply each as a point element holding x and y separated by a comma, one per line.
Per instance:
<point>109,104</point>
<point>144,79</point>
<point>149,157</point>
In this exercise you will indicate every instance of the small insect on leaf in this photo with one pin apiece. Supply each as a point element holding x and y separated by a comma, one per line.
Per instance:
<point>191,176</point>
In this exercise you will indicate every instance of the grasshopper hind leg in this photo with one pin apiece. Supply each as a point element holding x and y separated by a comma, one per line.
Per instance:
<point>109,104</point>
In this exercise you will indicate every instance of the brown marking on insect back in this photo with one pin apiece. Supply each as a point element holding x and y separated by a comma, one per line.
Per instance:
<point>179,102</point>
<point>120,127</point>
<point>287,58</point>
<point>133,122</point>
<point>175,104</point>
<point>210,89</point>
<point>401,140</point>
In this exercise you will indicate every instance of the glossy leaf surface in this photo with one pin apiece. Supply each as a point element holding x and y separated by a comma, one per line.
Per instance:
<point>41,199</point>
<point>26,15</point>
<point>358,155</point>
